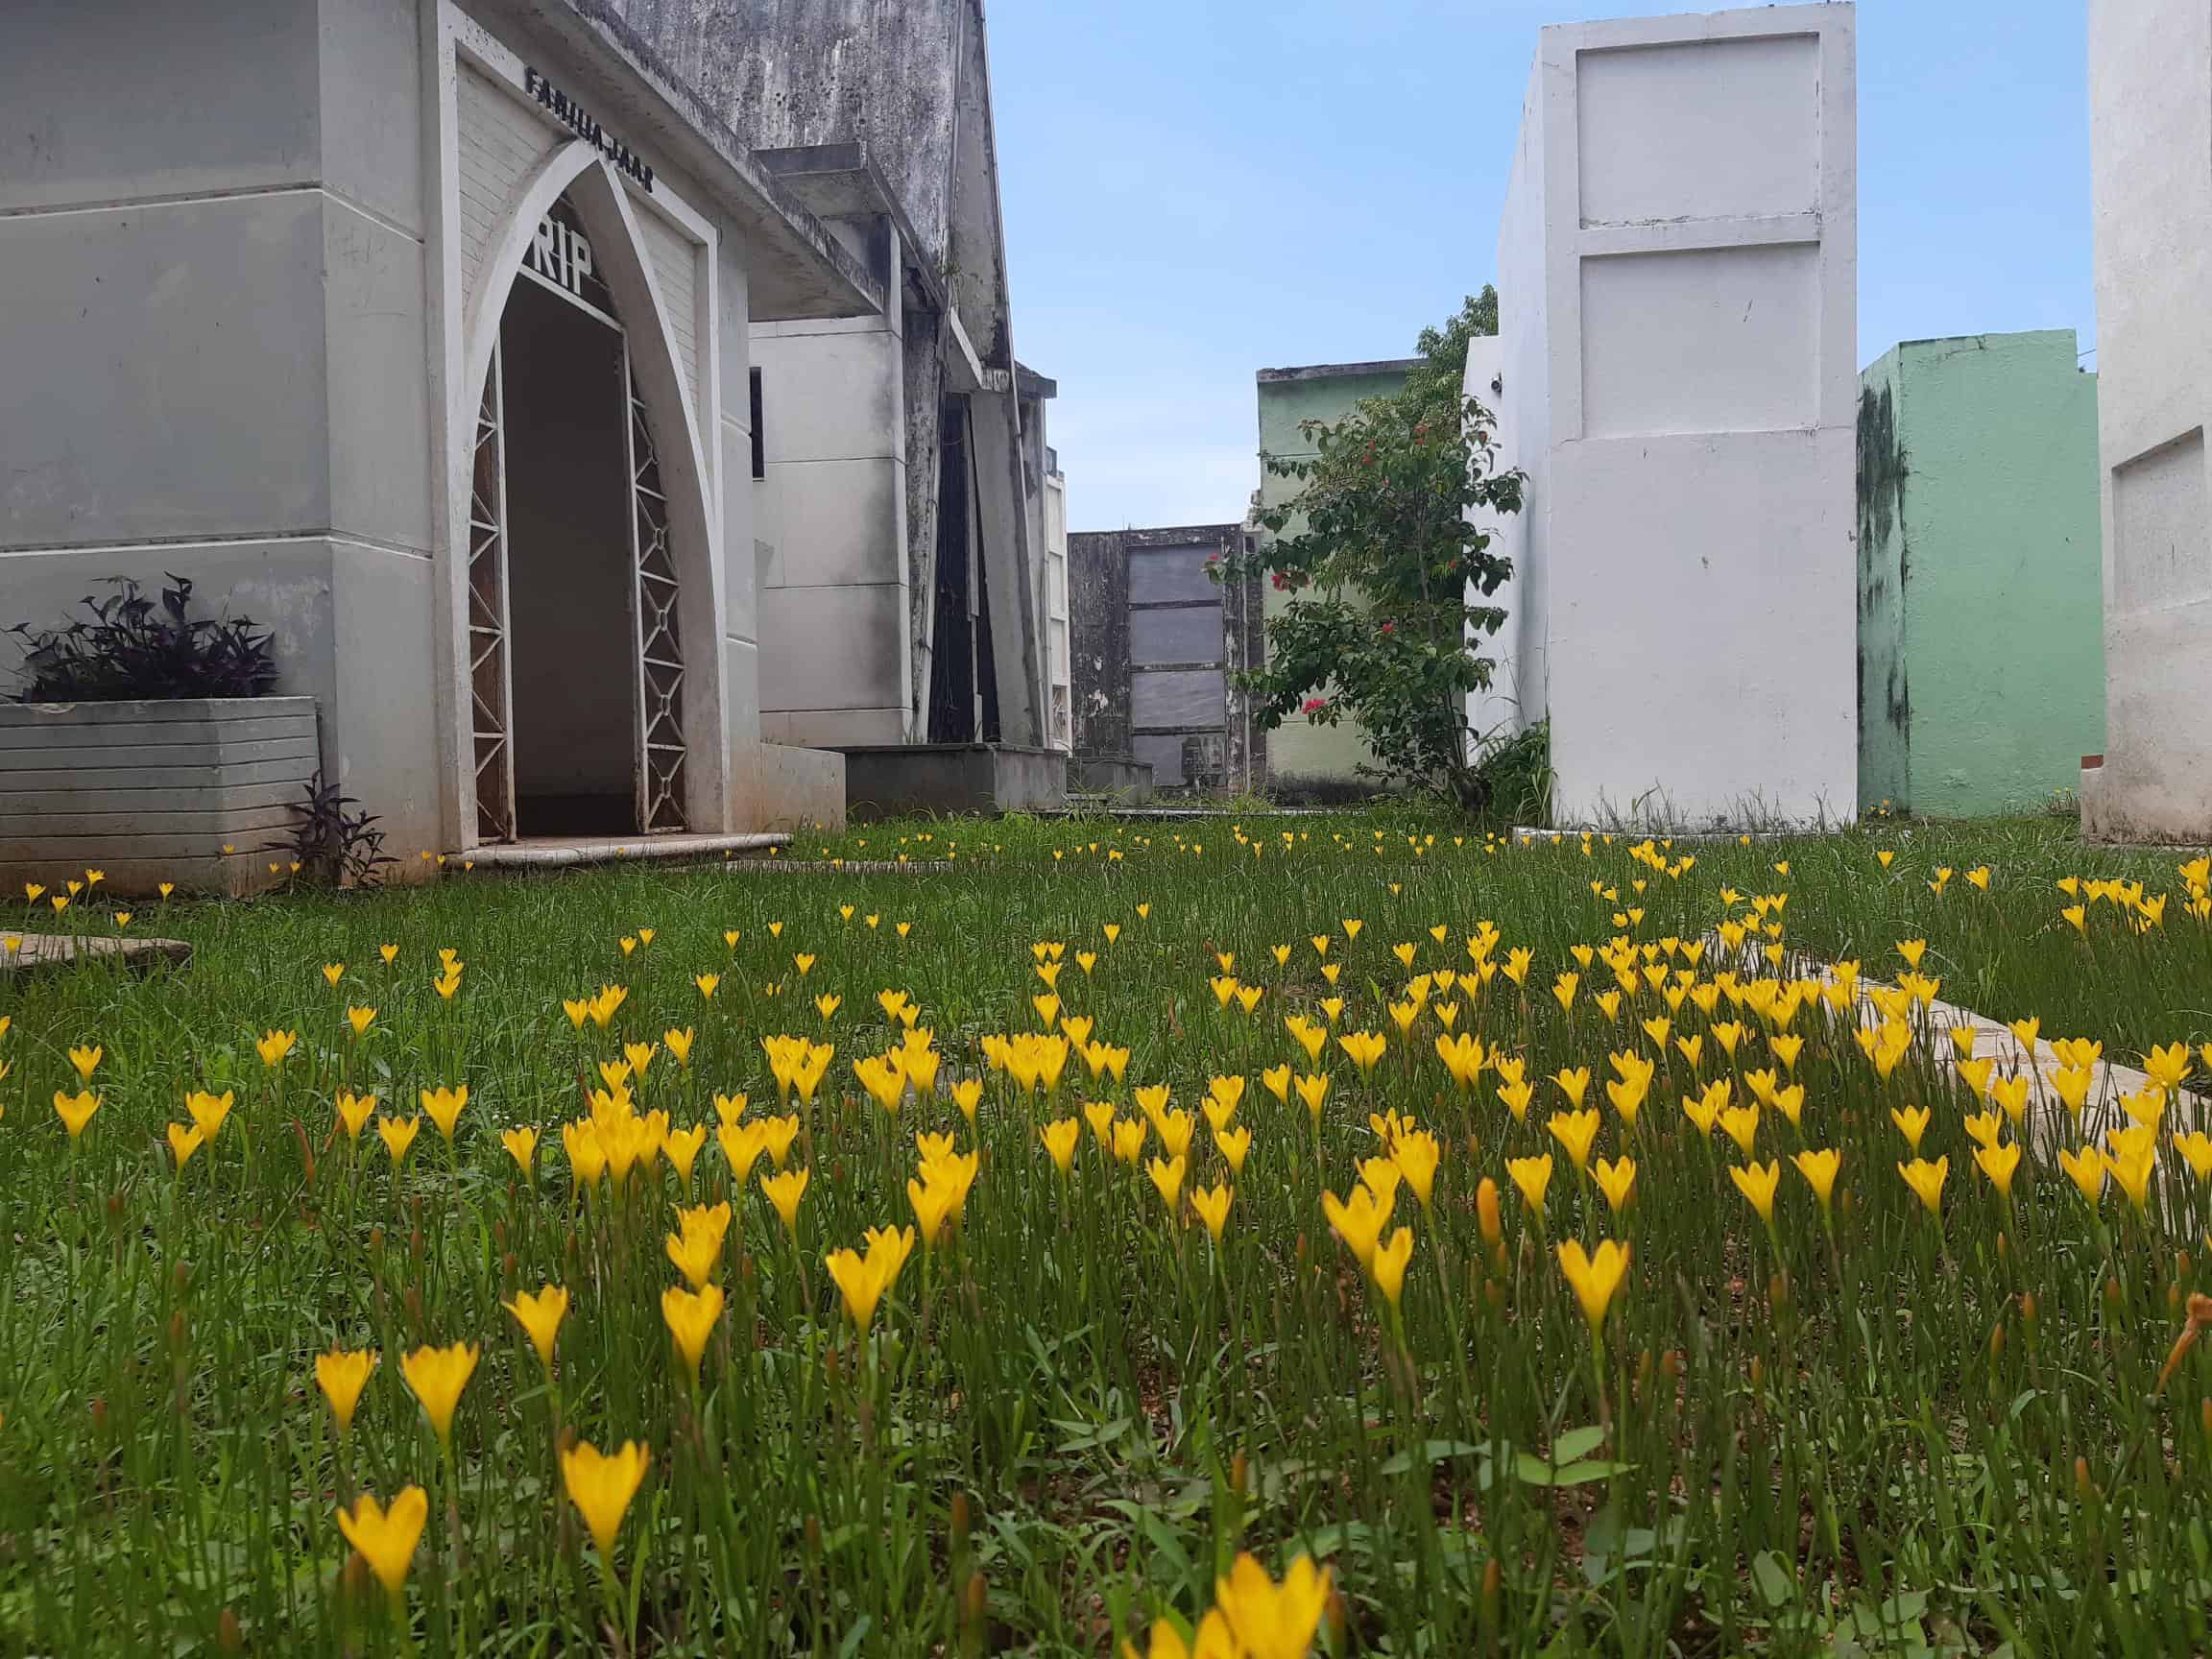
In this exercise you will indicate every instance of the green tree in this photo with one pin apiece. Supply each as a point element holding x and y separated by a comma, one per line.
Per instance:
<point>1391,575</point>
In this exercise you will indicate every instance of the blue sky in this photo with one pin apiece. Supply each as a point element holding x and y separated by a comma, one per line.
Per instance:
<point>1196,189</point>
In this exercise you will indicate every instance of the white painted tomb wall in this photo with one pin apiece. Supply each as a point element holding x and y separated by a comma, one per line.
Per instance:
<point>2151,157</point>
<point>1678,272</point>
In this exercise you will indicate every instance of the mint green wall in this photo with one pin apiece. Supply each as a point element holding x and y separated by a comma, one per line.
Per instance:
<point>1998,571</point>
<point>1298,750</point>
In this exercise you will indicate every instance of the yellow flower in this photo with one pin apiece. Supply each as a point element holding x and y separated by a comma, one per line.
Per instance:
<point>1270,1620</point>
<point>209,1110</point>
<point>1926,1180</point>
<point>680,1043</point>
<point>1365,1048</point>
<point>2130,1156</point>
<point>521,1145</point>
<point>437,1376</point>
<point>2087,1170</point>
<point>1819,1168</point>
<point>680,1147</point>
<point>1574,1082</point>
<point>1999,1162</point>
<point>690,1317</point>
<point>1617,1180</point>
<point>2196,1147</point>
<point>541,1315</point>
<point>1388,1264</point>
<point>1167,1179</point>
<point>1911,1123</point>
<point>183,1143</point>
<point>1061,1138</point>
<point>354,1112</point>
<point>1593,1279</point>
<point>1758,1183</point>
<point>1417,1153</point>
<point>1577,1131</point>
<point>601,1486</point>
<point>695,1255</point>
<point>1128,1139</point>
<point>86,1060</point>
<point>1313,1090</point>
<point>1233,1143</point>
<point>273,1046</point>
<point>2166,1067</point>
<point>1741,1125</point>
<point>398,1135</point>
<point>967,1094</point>
<point>76,1109</point>
<point>360,1017</point>
<point>1358,1221</point>
<point>863,1280</point>
<point>1531,1177</point>
<point>784,1192</point>
<point>342,1374</point>
<point>445,1108</point>
<point>1211,1207</point>
<point>386,1538</point>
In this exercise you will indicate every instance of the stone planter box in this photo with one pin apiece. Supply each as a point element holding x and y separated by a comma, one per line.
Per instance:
<point>930,778</point>
<point>151,792</point>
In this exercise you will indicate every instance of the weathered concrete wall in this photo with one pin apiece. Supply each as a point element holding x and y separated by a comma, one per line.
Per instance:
<point>1691,184</point>
<point>2150,161</point>
<point>1099,631</point>
<point>1299,750</point>
<point>1885,690</point>
<point>1981,645</point>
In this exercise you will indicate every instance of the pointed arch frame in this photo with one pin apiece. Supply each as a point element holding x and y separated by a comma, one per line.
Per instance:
<point>619,254</point>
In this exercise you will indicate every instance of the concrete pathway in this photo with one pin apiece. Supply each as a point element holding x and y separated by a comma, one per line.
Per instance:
<point>23,954</point>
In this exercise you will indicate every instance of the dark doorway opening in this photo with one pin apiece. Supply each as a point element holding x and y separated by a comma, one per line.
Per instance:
<point>570,567</point>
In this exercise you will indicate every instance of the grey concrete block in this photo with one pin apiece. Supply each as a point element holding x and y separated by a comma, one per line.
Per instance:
<point>927,777</point>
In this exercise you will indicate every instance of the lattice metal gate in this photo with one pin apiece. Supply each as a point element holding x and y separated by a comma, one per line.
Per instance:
<point>490,682</point>
<point>659,641</point>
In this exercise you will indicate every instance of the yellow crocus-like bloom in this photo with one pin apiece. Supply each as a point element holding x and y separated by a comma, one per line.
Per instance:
<point>2130,1156</point>
<point>934,1203</point>
<point>209,1110</point>
<point>729,1108</point>
<point>1167,1179</point>
<point>2072,1084</point>
<point>386,1538</point>
<point>76,1109</point>
<point>445,1108</point>
<point>1531,1177</point>
<point>680,1147</point>
<point>1985,1128</point>
<point>1380,1177</point>
<point>864,1280</point>
<point>1061,1138</point>
<point>1267,1620</point>
<point>1313,1090</point>
<point>1516,1093</point>
<point>1128,1139</point>
<point>398,1135</point>
<point>273,1046</point>
<point>437,1376</point>
<point>1235,1143</point>
<point>1741,1125</point>
<point>2011,1094</point>
<point>1617,1180</point>
<point>360,1018</point>
<point>2195,1148</point>
<point>1099,1114</point>
<point>1364,1047</point>
<point>1911,1123</point>
<point>690,1316</point>
<point>1819,1168</point>
<point>342,1374</point>
<point>541,1315</point>
<point>1175,1129</point>
<point>1577,1133</point>
<point>1758,1183</point>
<point>1999,1164</point>
<point>521,1145</point>
<point>1574,1082</point>
<point>1276,1081</point>
<point>777,1134</point>
<point>695,1255</point>
<point>2166,1067</point>
<point>1358,1221</point>
<point>1417,1153</point>
<point>1388,1264</point>
<point>354,1112</point>
<point>601,1486</point>
<point>1926,1180</point>
<point>784,1192</point>
<point>1211,1205</point>
<point>2085,1168</point>
<point>86,1061</point>
<point>183,1143</point>
<point>1593,1279</point>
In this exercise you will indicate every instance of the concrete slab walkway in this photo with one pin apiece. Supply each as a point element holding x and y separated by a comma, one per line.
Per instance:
<point>23,954</point>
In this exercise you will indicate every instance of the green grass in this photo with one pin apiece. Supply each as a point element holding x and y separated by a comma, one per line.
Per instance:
<point>1073,1412</point>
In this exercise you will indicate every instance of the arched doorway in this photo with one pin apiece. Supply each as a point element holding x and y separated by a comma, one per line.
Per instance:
<point>576,659</point>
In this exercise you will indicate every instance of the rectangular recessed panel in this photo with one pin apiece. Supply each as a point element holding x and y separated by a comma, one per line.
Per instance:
<point>1172,697</point>
<point>2161,540</point>
<point>1180,636</point>
<point>1699,130</point>
<point>1167,756</point>
<point>1159,574</point>
<point>1708,340</point>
